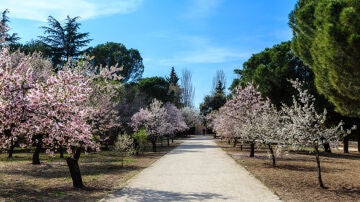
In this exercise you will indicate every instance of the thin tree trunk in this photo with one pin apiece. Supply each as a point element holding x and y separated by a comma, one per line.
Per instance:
<point>318,167</point>
<point>252,149</point>
<point>168,141</point>
<point>346,144</point>
<point>327,147</point>
<point>73,164</point>
<point>61,150</point>
<point>241,147</point>
<point>11,150</point>
<point>7,133</point>
<point>36,154</point>
<point>153,142</point>
<point>272,155</point>
<point>358,142</point>
<point>235,142</point>
<point>172,139</point>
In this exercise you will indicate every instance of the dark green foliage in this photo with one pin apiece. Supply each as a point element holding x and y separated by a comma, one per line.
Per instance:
<point>173,78</point>
<point>326,36</point>
<point>214,101</point>
<point>64,41</point>
<point>270,70</point>
<point>10,39</point>
<point>34,46</point>
<point>174,88</point>
<point>110,54</point>
<point>155,87</point>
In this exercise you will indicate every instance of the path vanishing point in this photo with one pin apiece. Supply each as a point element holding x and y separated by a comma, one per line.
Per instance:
<point>197,170</point>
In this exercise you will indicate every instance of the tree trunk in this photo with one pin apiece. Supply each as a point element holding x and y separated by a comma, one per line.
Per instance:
<point>168,142</point>
<point>153,142</point>
<point>346,144</point>
<point>252,149</point>
<point>172,139</point>
<point>73,164</point>
<point>318,167</point>
<point>36,154</point>
<point>11,150</point>
<point>61,150</point>
<point>241,147</point>
<point>7,133</point>
<point>358,142</point>
<point>235,142</point>
<point>327,147</point>
<point>229,141</point>
<point>272,155</point>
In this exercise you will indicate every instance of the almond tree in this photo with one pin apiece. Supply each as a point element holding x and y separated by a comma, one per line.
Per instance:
<point>246,107</point>
<point>15,82</point>
<point>152,119</point>
<point>173,121</point>
<point>191,117</point>
<point>305,127</point>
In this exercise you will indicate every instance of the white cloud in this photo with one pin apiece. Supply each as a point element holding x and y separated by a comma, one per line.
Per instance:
<point>201,8</point>
<point>39,10</point>
<point>202,50</point>
<point>206,55</point>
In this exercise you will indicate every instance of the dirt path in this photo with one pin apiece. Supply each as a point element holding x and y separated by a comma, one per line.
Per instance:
<point>197,170</point>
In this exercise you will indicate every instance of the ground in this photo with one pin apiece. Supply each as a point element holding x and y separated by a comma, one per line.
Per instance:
<point>50,181</point>
<point>295,178</point>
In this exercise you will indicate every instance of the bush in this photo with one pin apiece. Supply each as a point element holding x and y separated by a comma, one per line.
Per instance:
<point>140,141</point>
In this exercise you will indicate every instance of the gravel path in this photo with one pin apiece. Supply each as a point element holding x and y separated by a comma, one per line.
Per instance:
<point>197,170</point>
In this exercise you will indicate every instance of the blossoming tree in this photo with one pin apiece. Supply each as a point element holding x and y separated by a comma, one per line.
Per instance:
<point>152,119</point>
<point>305,127</point>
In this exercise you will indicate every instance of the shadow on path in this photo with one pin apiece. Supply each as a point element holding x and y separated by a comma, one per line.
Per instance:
<point>149,195</point>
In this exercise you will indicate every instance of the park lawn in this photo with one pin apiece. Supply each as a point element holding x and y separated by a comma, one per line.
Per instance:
<point>51,181</point>
<point>295,177</point>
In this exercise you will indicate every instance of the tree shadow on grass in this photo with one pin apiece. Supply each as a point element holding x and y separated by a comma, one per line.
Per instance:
<point>149,195</point>
<point>50,171</point>
<point>304,168</point>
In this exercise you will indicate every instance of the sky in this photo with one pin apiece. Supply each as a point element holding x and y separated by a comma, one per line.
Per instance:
<point>202,36</point>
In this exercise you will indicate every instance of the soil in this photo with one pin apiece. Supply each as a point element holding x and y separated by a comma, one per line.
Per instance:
<point>50,181</point>
<point>295,176</point>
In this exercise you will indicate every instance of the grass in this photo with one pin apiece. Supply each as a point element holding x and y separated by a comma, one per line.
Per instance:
<point>295,178</point>
<point>50,181</point>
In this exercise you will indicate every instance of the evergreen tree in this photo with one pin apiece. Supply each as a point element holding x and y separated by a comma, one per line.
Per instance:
<point>6,38</point>
<point>64,41</point>
<point>326,36</point>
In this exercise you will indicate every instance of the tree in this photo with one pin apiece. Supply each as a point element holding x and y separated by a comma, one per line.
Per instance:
<point>174,88</point>
<point>219,78</point>
<point>305,127</point>
<point>16,79</point>
<point>124,146</point>
<point>35,46</point>
<point>173,121</point>
<point>270,69</point>
<point>7,39</point>
<point>111,54</point>
<point>64,41</point>
<point>191,117</point>
<point>214,101</point>
<point>188,91</point>
<point>155,88</point>
<point>152,119</point>
<point>326,36</point>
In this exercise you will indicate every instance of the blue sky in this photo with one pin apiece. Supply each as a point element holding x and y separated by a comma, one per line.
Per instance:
<point>202,36</point>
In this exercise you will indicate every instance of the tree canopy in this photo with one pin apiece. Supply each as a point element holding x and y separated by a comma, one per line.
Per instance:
<point>111,53</point>
<point>65,41</point>
<point>270,70</point>
<point>326,36</point>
